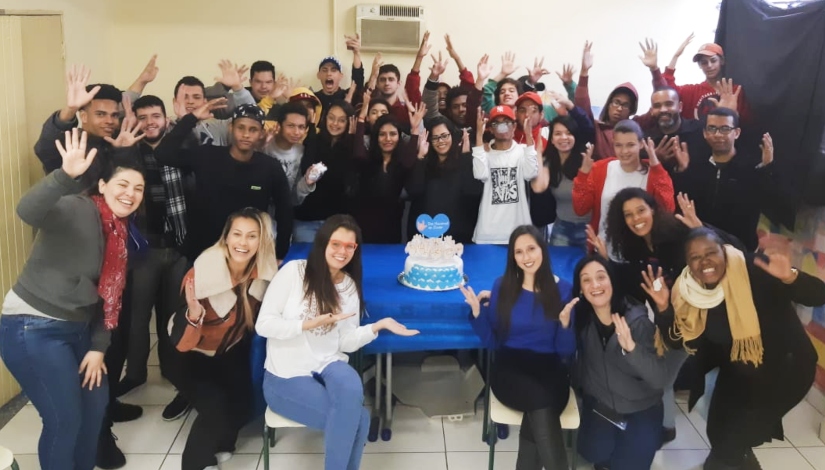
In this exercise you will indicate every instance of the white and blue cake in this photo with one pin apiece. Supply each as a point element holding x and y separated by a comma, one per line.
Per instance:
<point>433,264</point>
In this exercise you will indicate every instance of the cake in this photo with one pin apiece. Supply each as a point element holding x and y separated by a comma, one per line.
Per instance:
<point>433,264</point>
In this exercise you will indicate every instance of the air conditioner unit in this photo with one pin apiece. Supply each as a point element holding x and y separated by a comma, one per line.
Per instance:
<point>390,28</point>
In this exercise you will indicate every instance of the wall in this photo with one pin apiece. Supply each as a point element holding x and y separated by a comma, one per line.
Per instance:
<point>191,36</point>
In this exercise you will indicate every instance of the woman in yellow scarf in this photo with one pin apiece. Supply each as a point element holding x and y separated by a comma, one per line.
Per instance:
<point>735,311</point>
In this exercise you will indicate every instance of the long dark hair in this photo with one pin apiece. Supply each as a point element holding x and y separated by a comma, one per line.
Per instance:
<point>547,292</point>
<point>375,149</point>
<point>584,310</point>
<point>628,245</point>
<point>347,108</point>
<point>434,166</point>
<point>318,283</point>
<point>571,166</point>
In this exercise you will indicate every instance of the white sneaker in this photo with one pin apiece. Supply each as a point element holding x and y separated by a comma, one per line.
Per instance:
<point>223,456</point>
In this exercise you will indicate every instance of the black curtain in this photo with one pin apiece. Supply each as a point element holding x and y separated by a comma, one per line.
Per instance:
<point>778,56</point>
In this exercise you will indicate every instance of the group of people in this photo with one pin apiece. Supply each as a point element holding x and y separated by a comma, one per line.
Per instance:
<point>191,218</point>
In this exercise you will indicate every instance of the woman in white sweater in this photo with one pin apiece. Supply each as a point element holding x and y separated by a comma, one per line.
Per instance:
<point>310,317</point>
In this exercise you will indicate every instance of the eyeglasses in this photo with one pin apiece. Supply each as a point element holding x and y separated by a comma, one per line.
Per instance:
<point>620,104</point>
<point>338,244</point>
<point>724,130</point>
<point>441,138</point>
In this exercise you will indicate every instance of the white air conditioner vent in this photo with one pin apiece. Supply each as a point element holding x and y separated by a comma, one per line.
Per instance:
<point>390,28</point>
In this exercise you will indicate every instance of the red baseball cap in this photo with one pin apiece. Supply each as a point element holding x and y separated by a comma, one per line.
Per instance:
<point>530,96</point>
<point>709,50</point>
<point>505,111</point>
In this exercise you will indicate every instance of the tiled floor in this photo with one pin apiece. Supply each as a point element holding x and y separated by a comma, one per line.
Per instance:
<point>418,442</point>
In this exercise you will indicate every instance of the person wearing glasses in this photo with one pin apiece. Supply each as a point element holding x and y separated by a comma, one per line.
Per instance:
<point>731,187</point>
<point>442,180</point>
<point>311,317</point>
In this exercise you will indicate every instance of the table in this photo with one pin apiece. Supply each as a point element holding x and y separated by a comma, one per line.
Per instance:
<point>442,317</point>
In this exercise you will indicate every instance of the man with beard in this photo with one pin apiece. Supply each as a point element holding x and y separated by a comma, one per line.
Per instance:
<point>157,274</point>
<point>676,138</point>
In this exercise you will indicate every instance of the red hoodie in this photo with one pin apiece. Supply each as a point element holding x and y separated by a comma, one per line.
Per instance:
<point>695,103</point>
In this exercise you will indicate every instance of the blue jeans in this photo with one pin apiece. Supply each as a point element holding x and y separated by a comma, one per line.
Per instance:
<point>332,402</point>
<point>568,234</point>
<point>44,356</point>
<point>303,231</point>
<point>674,359</point>
<point>604,444</point>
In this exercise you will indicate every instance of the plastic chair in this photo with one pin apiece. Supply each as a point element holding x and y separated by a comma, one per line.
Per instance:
<point>7,459</point>
<point>273,421</point>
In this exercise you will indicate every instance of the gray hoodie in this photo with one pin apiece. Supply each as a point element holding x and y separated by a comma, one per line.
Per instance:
<point>626,382</point>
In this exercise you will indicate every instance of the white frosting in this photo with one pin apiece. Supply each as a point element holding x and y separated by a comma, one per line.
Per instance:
<point>434,253</point>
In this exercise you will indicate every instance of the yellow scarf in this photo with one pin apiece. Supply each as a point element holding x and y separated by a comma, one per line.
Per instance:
<point>691,302</point>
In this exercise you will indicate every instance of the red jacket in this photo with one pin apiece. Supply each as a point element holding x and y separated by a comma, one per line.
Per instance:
<point>587,190</point>
<point>413,88</point>
<point>695,104</point>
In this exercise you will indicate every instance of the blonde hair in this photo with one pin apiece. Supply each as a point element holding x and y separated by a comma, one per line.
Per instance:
<point>266,250</point>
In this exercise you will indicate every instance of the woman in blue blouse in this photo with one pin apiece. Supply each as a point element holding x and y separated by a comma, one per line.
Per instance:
<point>527,323</point>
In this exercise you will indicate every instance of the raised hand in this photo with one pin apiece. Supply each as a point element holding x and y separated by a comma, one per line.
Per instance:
<point>424,48</point>
<point>623,334</point>
<point>150,72</point>
<point>539,144</point>
<point>484,69</point>
<point>587,158</point>
<point>129,134</point>
<point>779,261</point>
<point>465,141</point>
<point>76,94</point>
<point>767,149</point>
<point>566,75</point>
<point>728,94</point>
<point>564,315</point>
<point>353,124</point>
<point>650,149</point>
<point>688,215</point>
<point>393,326</point>
<point>508,63</point>
<point>423,144</point>
<point>481,124</point>
<point>664,149</point>
<point>528,132</point>
<point>232,76</point>
<point>683,46</point>
<point>564,102</point>
<point>75,159</point>
<point>353,43</point>
<point>438,67</point>
<point>196,310</point>
<point>416,114</point>
<point>650,54</point>
<point>475,301</point>
<point>350,93</point>
<point>128,112</point>
<point>680,151</point>
<point>537,71</point>
<point>587,58</point>
<point>655,287</point>
<point>281,87</point>
<point>595,241</point>
<point>205,111</point>
<point>377,62</point>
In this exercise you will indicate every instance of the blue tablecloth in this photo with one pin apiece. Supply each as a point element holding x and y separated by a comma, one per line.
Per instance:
<point>442,317</point>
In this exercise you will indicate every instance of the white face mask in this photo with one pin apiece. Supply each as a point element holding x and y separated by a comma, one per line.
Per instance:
<point>502,128</point>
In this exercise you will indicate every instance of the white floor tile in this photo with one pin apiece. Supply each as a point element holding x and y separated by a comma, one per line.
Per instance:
<point>293,461</point>
<point>21,434</point>
<point>133,461</point>
<point>465,435</point>
<point>402,461</point>
<point>237,462</point>
<point>781,459</point>
<point>503,460</point>
<point>180,439</point>
<point>156,391</point>
<point>697,421</point>
<point>687,437</point>
<point>27,461</point>
<point>815,456</point>
<point>148,435</point>
<point>679,459</point>
<point>412,431</point>
<point>802,426</point>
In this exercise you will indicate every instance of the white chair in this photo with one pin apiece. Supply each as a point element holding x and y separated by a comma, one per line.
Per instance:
<point>500,414</point>
<point>7,459</point>
<point>273,421</point>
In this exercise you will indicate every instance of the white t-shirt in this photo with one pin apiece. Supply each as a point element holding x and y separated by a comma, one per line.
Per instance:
<point>292,352</point>
<point>290,160</point>
<point>616,180</point>
<point>504,205</point>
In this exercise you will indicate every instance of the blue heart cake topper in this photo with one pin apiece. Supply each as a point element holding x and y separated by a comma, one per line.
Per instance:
<point>432,227</point>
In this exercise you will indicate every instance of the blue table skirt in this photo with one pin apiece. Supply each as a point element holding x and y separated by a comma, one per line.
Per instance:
<point>442,317</point>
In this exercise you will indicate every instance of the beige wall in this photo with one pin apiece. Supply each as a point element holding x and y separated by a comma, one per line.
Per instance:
<point>190,36</point>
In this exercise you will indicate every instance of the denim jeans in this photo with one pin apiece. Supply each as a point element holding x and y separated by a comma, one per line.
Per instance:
<point>44,356</point>
<point>303,231</point>
<point>632,449</point>
<point>332,402</point>
<point>568,234</point>
<point>673,360</point>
